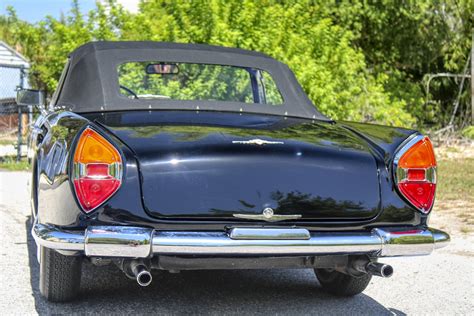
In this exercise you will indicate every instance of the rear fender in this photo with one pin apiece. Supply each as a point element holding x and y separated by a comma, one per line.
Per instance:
<point>385,140</point>
<point>56,198</point>
<point>55,201</point>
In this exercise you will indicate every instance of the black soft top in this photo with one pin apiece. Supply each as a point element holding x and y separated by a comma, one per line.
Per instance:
<point>91,82</point>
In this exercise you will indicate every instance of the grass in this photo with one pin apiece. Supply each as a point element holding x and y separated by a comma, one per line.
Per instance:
<point>10,163</point>
<point>7,142</point>
<point>453,150</point>
<point>454,193</point>
<point>455,180</point>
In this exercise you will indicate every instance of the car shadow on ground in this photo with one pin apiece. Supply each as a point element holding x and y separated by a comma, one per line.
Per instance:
<point>106,290</point>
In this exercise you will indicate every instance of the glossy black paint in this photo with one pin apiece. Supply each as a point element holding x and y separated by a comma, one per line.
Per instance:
<point>196,135</point>
<point>319,170</point>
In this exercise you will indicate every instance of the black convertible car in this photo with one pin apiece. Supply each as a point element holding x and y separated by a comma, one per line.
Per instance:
<point>180,156</point>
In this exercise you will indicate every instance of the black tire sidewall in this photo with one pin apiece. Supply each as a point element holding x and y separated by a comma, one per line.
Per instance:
<point>60,275</point>
<point>341,284</point>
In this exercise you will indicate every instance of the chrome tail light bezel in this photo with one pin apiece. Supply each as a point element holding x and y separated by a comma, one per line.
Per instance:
<point>400,175</point>
<point>78,169</point>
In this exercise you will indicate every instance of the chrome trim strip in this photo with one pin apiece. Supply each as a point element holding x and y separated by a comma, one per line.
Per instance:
<point>218,243</point>
<point>430,175</point>
<point>139,242</point>
<point>263,217</point>
<point>257,141</point>
<point>269,233</point>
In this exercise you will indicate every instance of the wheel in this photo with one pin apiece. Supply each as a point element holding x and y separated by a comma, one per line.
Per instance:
<point>340,284</point>
<point>60,276</point>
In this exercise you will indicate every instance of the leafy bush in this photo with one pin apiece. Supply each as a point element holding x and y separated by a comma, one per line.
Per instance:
<point>468,132</point>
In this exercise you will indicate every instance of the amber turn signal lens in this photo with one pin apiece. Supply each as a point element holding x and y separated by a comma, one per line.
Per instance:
<point>94,148</point>
<point>415,173</point>
<point>420,155</point>
<point>97,170</point>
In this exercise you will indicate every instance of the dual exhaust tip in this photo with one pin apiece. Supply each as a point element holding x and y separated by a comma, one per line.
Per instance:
<point>379,269</point>
<point>143,276</point>
<point>374,268</point>
<point>141,273</point>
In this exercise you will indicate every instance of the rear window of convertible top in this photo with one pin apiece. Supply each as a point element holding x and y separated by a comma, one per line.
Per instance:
<point>187,81</point>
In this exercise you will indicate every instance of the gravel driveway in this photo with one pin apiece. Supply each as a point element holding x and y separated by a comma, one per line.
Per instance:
<point>442,283</point>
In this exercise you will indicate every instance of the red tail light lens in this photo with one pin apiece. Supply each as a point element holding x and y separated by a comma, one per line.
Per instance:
<point>97,170</point>
<point>415,173</point>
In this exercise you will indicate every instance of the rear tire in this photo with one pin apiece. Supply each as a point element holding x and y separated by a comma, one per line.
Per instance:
<point>60,276</point>
<point>341,284</point>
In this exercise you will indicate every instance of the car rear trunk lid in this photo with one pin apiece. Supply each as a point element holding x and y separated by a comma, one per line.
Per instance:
<point>217,166</point>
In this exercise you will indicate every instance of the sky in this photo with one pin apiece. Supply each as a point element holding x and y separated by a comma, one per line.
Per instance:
<point>35,10</point>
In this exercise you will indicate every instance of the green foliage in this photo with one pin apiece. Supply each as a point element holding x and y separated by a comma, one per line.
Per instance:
<point>10,163</point>
<point>194,82</point>
<point>356,60</point>
<point>299,33</point>
<point>408,39</point>
<point>468,132</point>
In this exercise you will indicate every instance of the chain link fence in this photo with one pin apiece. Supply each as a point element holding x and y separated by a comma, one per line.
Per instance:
<point>14,119</point>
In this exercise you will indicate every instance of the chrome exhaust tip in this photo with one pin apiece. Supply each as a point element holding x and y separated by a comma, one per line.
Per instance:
<point>141,273</point>
<point>144,278</point>
<point>379,269</point>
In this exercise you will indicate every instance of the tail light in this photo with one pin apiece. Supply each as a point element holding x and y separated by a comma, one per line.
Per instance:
<point>415,173</point>
<point>97,170</point>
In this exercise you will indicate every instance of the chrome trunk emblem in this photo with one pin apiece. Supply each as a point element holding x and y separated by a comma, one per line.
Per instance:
<point>267,215</point>
<point>256,141</point>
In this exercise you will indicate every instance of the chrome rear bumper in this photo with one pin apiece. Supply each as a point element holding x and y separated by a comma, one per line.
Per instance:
<point>138,242</point>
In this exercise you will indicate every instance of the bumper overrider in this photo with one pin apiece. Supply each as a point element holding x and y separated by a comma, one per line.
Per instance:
<point>139,242</point>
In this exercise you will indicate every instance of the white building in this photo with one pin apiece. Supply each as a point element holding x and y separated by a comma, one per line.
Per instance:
<point>12,76</point>
<point>11,65</point>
